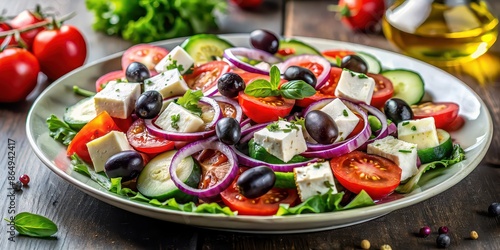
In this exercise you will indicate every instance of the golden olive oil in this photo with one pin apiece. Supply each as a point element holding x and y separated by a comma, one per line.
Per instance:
<point>441,32</point>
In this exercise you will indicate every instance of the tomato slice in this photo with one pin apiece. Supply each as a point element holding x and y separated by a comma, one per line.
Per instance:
<point>116,75</point>
<point>332,54</point>
<point>97,127</point>
<point>444,113</point>
<point>265,109</point>
<point>141,140</point>
<point>205,76</point>
<point>383,90</point>
<point>146,54</point>
<point>268,204</point>
<point>455,124</point>
<point>358,171</point>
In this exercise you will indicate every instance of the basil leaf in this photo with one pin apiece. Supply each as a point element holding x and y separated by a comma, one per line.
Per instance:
<point>297,89</point>
<point>275,77</point>
<point>261,88</point>
<point>34,225</point>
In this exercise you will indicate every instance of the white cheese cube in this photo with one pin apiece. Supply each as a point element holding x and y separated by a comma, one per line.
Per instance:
<point>355,86</point>
<point>314,179</point>
<point>118,99</point>
<point>345,119</point>
<point>176,118</point>
<point>177,56</point>
<point>284,141</point>
<point>421,132</point>
<point>102,148</point>
<point>404,154</point>
<point>169,83</point>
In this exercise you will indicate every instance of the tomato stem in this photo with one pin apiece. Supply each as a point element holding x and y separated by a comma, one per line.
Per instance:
<point>36,25</point>
<point>83,92</point>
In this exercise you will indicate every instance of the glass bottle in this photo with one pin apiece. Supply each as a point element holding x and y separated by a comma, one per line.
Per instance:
<point>441,32</point>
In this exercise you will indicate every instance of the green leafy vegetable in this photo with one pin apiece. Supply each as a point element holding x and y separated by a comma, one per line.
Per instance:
<point>142,21</point>
<point>190,101</point>
<point>296,89</point>
<point>81,167</point>
<point>456,156</point>
<point>258,152</point>
<point>33,225</point>
<point>59,130</point>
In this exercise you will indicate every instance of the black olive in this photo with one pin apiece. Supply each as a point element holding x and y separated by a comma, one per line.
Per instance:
<point>321,127</point>
<point>137,72</point>
<point>264,40</point>
<point>149,104</point>
<point>126,164</point>
<point>229,84</point>
<point>397,110</point>
<point>228,130</point>
<point>256,181</point>
<point>300,73</point>
<point>443,241</point>
<point>354,63</point>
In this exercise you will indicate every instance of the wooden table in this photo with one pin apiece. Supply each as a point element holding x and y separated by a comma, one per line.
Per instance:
<point>87,223</point>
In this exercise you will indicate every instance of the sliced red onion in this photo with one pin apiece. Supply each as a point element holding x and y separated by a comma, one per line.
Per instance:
<point>198,146</point>
<point>176,136</point>
<point>217,111</point>
<point>247,133</point>
<point>232,54</point>
<point>392,129</point>
<point>211,91</point>
<point>232,102</point>
<point>245,124</point>
<point>295,60</point>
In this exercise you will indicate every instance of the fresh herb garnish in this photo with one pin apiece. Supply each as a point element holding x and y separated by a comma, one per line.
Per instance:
<point>175,119</point>
<point>405,123</point>
<point>362,76</point>
<point>59,130</point>
<point>82,92</point>
<point>190,101</point>
<point>344,112</point>
<point>404,151</point>
<point>338,60</point>
<point>328,184</point>
<point>33,225</point>
<point>296,89</point>
<point>174,65</point>
<point>413,128</point>
<point>273,127</point>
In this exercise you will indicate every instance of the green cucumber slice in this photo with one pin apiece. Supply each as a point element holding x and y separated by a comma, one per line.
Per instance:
<point>204,48</point>
<point>408,85</point>
<point>438,152</point>
<point>155,181</point>
<point>374,65</point>
<point>285,180</point>
<point>79,114</point>
<point>298,48</point>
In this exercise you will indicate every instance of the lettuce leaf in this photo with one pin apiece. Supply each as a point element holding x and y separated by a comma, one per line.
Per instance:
<point>59,130</point>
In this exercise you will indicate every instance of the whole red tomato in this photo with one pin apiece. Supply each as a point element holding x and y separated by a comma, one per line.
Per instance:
<point>18,74</point>
<point>27,18</point>
<point>60,50</point>
<point>247,4</point>
<point>361,14</point>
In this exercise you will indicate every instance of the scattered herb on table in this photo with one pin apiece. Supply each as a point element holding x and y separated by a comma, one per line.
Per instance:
<point>33,225</point>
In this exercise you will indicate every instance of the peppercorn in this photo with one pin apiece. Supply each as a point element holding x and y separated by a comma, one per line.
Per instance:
<point>443,241</point>
<point>385,247</point>
<point>365,244</point>
<point>474,235</point>
<point>425,231</point>
<point>443,230</point>
<point>24,179</point>
<point>17,186</point>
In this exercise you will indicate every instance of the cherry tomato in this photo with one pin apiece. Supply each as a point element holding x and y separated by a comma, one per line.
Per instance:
<point>25,19</point>
<point>6,27</point>
<point>326,91</point>
<point>383,90</point>
<point>18,74</point>
<point>60,50</point>
<point>332,54</point>
<point>123,124</point>
<point>205,76</point>
<point>248,77</point>
<point>141,140</point>
<point>265,109</point>
<point>358,171</point>
<point>214,167</point>
<point>444,113</point>
<point>97,127</point>
<point>116,75</point>
<point>146,54</point>
<point>361,14</point>
<point>247,4</point>
<point>268,204</point>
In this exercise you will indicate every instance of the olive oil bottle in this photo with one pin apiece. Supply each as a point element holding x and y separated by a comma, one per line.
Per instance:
<point>441,32</point>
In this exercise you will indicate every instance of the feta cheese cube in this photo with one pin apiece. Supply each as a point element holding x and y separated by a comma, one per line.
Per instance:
<point>404,154</point>
<point>176,118</point>
<point>177,56</point>
<point>118,99</point>
<point>284,140</point>
<point>169,83</point>
<point>421,132</point>
<point>314,179</point>
<point>102,148</point>
<point>355,86</point>
<point>345,119</point>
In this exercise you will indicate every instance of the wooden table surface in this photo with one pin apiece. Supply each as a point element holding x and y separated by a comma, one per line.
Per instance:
<point>87,223</point>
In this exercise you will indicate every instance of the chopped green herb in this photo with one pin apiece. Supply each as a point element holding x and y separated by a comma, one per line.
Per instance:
<point>174,65</point>
<point>344,112</point>
<point>328,184</point>
<point>273,127</point>
<point>316,165</point>
<point>413,128</point>
<point>404,151</point>
<point>362,76</point>
<point>405,123</point>
<point>175,119</point>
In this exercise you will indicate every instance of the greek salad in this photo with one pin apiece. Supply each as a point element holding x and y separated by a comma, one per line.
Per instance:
<point>279,128</point>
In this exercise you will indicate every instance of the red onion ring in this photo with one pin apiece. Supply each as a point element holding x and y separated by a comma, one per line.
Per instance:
<point>232,54</point>
<point>382,132</point>
<point>176,136</point>
<point>217,111</point>
<point>322,78</point>
<point>232,102</point>
<point>197,146</point>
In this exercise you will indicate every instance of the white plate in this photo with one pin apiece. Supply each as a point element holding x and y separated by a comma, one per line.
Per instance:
<point>475,137</point>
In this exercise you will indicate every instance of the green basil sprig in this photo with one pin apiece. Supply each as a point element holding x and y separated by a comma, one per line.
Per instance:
<point>33,225</point>
<point>295,89</point>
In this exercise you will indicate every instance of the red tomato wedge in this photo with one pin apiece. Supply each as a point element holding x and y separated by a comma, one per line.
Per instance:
<point>358,171</point>
<point>326,91</point>
<point>456,124</point>
<point>146,54</point>
<point>383,90</point>
<point>141,140</point>
<point>102,124</point>
<point>265,109</point>
<point>205,76</point>
<point>268,204</point>
<point>116,75</point>
<point>444,113</point>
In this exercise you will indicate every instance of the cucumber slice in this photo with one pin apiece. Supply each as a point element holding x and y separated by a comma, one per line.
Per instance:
<point>80,113</point>
<point>408,85</point>
<point>285,180</point>
<point>374,65</point>
<point>204,48</point>
<point>155,182</point>
<point>439,152</point>
<point>296,47</point>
